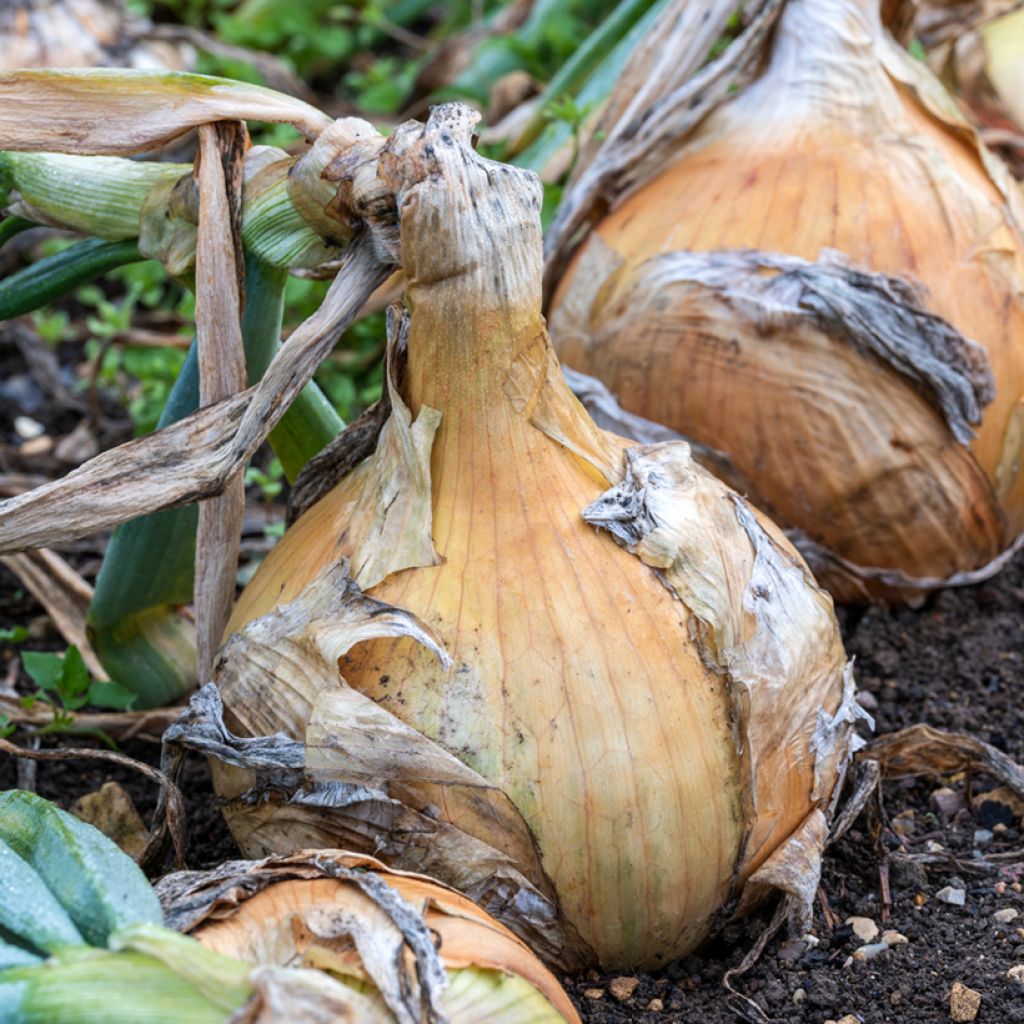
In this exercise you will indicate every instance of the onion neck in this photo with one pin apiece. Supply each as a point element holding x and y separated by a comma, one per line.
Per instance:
<point>472,251</point>
<point>824,64</point>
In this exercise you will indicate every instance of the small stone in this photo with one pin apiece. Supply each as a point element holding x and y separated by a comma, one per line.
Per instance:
<point>799,996</point>
<point>78,446</point>
<point>982,836</point>
<point>999,888</point>
<point>37,446</point>
<point>870,951</point>
<point>920,899</point>
<point>1016,974</point>
<point>623,988</point>
<point>933,847</point>
<point>850,1018</point>
<point>593,993</point>
<point>954,897</point>
<point>792,949</point>
<point>867,700</point>
<point>964,1003</point>
<point>110,809</point>
<point>1017,887</point>
<point>1006,915</point>
<point>27,428</point>
<point>891,937</point>
<point>812,940</point>
<point>947,802</point>
<point>997,806</point>
<point>656,1005</point>
<point>1020,934</point>
<point>903,823</point>
<point>864,928</point>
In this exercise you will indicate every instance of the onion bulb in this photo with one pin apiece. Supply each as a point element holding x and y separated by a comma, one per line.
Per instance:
<point>403,947</point>
<point>602,736</point>
<point>824,286</point>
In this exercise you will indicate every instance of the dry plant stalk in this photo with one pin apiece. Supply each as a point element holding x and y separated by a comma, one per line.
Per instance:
<point>220,274</point>
<point>825,284</point>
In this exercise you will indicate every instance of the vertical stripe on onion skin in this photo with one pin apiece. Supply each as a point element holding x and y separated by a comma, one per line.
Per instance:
<point>843,143</point>
<point>623,718</point>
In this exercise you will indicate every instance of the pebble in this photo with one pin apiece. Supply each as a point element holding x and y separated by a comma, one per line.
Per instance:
<point>964,1003</point>
<point>869,952</point>
<point>947,801</point>
<point>1006,915</point>
<point>656,1005</point>
<point>863,927</point>
<point>850,1018</point>
<point>27,428</point>
<point>623,988</point>
<point>867,700</point>
<point>933,847</point>
<point>920,899</point>
<point>37,446</point>
<point>891,937</point>
<point>800,995</point>
<point>982,837</point>
<point>792,949</point>
<point>954,897</point>
<point>903,823</point>
<point>997,805</point>
<point>593,993</point>
<point>1016,974</point>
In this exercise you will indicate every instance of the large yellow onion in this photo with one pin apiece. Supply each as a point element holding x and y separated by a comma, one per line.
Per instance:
<point>825,287</point>
<point>403,947</point>
<point>601,743</point>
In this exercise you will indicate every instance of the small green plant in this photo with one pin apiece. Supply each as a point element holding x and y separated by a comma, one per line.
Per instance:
<point>66,686</point>
<point>52,325</point>
<point>269,481</point>
<point>565,109</point>
<point>13,635</point>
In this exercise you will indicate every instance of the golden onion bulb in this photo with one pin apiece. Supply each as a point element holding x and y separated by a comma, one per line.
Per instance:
<point>603,736</point>
<point>825,287</point>
<point>393,940</point>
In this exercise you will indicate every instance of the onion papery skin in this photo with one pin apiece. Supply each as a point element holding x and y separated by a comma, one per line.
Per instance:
<point>576,686</point>
<point>271,928</point>
<point>827,150</point>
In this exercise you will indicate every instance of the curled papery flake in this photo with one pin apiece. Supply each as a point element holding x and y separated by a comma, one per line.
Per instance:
<point>288,993</point>
<point>760,621</point>
<point>832,745</point>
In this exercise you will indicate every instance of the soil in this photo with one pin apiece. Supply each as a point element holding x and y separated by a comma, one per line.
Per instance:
<point>956,662</point>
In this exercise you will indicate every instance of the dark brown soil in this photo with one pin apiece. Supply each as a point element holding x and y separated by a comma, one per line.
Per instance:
<point>956,663</point>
